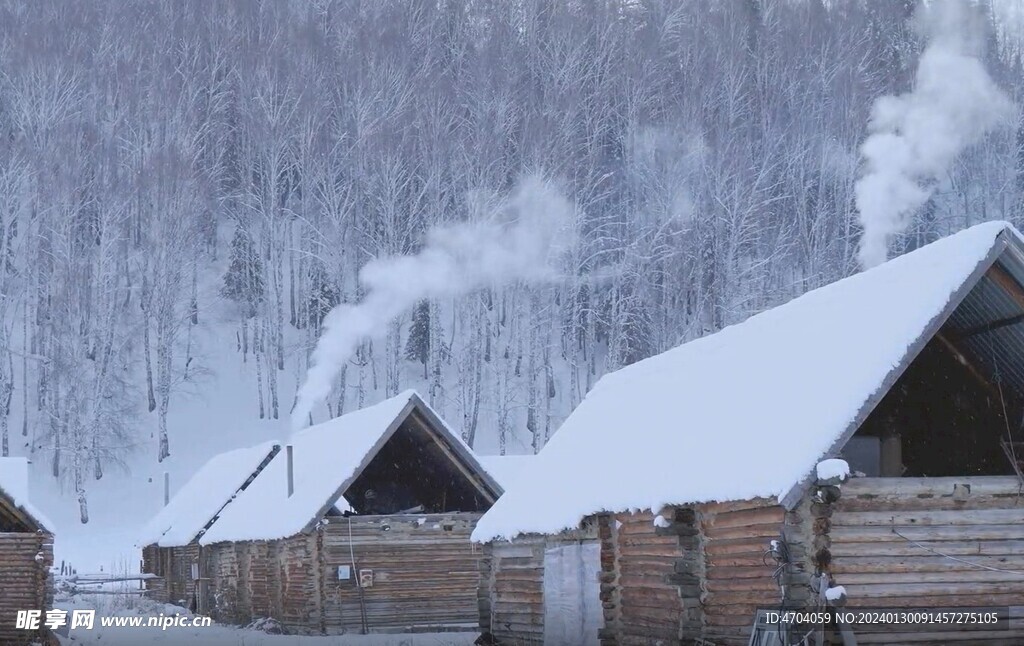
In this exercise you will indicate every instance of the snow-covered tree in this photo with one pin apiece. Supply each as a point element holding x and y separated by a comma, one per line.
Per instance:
<point>258,155</point>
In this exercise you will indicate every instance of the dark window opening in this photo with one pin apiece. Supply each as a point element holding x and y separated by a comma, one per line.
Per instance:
<point>941,418</point>
<point>413,473</point>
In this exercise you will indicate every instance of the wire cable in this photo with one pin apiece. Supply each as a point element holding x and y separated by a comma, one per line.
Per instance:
<point>954,558</point>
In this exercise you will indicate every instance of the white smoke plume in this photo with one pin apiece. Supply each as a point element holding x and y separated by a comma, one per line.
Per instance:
<point>915,137</point>
<point>523,240</point>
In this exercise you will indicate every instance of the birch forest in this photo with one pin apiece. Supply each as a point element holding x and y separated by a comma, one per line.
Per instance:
<point>270,149</point>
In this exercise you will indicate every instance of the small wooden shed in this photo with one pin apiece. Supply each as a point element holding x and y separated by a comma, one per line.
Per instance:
<point>26,554</point>
<point>710,482</point>
<point>360,524</point>
<point>170,541</point>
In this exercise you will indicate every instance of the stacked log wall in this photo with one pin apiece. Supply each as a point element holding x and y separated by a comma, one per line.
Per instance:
<point>517,590</point>
<point>174,564</point>
<point>156,589</point>
<point>221,568</point>
<point>243,592</point>
<point>656,595</point>
<point>805,531</point>
<point>150,560</point>
<point>425,573</point>
<point>736,581</point>
<point>260,580</point>
<point>297,563</point>
<point>189,554</point>
<point>25,583</point>
<point>937,543</point>
<point>153,562</point>
<point>512,582</point>
<point>610,594</point>
<point>485,585</point>
<point>704,573</point>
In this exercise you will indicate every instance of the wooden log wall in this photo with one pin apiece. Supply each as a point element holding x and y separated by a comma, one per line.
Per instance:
<point>890,538</point>
<point>805,531</point>
<point>185,557</point>
<point>425,572</point>
<point>609,578</point>
<point>700,575</point>
<point>484,587</point>
<point>261,579</point>
<point>704,574</point>
<point>516,586</point>
<point>25,582</point>
<point>656,595</point>
<point>153,559</point>
<point>175,565</point>
<point>243,593</point>
<point>425,575</point>
<point>220,566</point>
<point>156,589</point>
<point>240,582</point>
<point>150,560</point>
<point>299,585</point>
<point>736,582</point>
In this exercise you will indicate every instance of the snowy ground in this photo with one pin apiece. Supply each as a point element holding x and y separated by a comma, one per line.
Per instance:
<point>218,635</point>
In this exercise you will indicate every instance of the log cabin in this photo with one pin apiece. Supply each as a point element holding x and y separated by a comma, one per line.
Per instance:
<point>859,447</point>
<point>26,554</point>
<point>170,541</point>
<point>358,525</point>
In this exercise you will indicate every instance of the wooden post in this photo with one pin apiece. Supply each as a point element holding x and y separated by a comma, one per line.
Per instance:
<point>167,488</point>
<point>892,456</point>
<point>291,470</point>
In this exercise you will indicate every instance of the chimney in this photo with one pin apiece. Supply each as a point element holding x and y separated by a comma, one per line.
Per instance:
<point>167,488</point>
<point>291,470</point>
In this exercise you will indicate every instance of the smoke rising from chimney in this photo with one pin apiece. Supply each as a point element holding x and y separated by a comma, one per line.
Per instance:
<point>915,137</point>
<point>522,240</point>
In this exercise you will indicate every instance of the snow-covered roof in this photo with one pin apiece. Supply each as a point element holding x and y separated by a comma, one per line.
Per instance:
<point>327,458</point>
<point>14,486</point>
<point>505,468</point>
<point>204,495</point>
<point>746,412</point>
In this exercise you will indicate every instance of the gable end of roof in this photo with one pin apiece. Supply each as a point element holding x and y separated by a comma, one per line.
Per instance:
<point>20,514</point>
<point>1006,240</point>
<point>363,463</point>
<point>461,450</point>
<point>434,425</point>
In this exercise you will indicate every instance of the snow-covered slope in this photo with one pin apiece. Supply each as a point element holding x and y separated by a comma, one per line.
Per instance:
<point>745,412</point>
